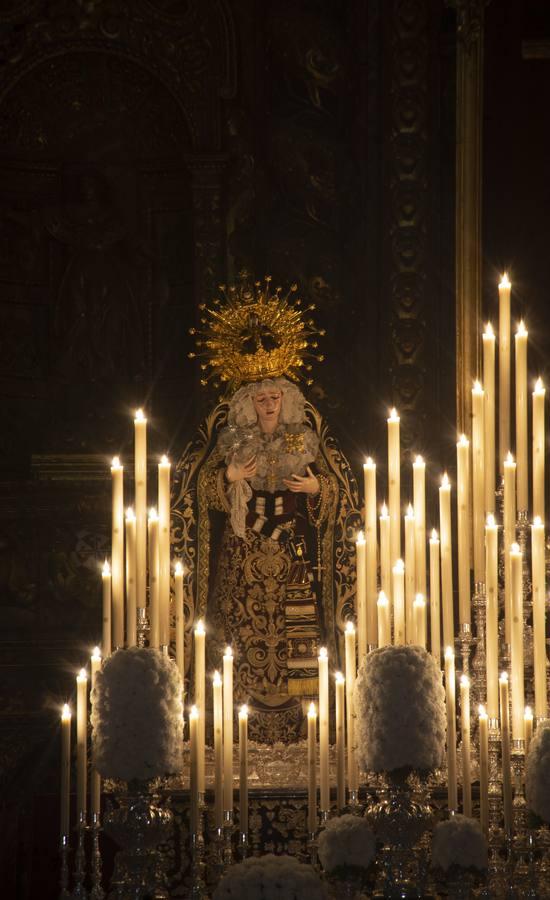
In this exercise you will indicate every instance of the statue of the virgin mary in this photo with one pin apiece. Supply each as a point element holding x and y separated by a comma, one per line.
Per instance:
<point>266,513</point>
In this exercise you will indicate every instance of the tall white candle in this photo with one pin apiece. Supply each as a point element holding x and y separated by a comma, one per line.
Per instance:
<point>528,727</point>
<point>539,617</point>
<point>228,730</point>
<point>200,695</point>
<point>398,593</point>
<point>385,551</point>
<point>131,592</point>
<point>140,476</point>
<point>243,772</point>
<point>81,743</point>
<point>351,669</point>
<point>435,604</point>
<point>95,780</point>
<point>361,596</point>
<point>478,480</point>
<point>489,416</point>
<point>521,419</point>
<point>180,621</point>
<point>450,689</point>
<point>106,584</point>
<point>483,770</point>
<point>518,692</point>
<point>371,548</point>
<point>394,485</point>
<point>164,551</point>
<point>419,620</point>
<point>504,289</point>
<point>491,568</point>
<point>505,752</point>
<point>194,769</point>
<point>419,504</point>
<point>65,771</point>
<point>463,528</point>
<point>217,704</point>
<point>466,745</point>
<point>384,623</point>
<point>323,730</point>
<point>340,741</point>
<point>509,537</point>
<point>446,561</point>
<point>538,449</point>
<point>117,553</point>
<point>154,612</point>
<point>312,769</point>
<point>409,573</point>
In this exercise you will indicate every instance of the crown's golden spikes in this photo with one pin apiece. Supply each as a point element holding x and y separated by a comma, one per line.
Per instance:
<point>253,333</point>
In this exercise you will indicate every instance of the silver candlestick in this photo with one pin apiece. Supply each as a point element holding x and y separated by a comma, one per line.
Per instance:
<point>64,873</point>
<point>79,890</point>
<point>97,892</point>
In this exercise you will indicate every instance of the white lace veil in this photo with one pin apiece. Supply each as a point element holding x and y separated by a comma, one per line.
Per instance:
<point>241,407</point>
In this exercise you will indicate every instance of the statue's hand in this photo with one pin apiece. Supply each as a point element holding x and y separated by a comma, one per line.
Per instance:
<point>237,471</point>
<point>306,484</point>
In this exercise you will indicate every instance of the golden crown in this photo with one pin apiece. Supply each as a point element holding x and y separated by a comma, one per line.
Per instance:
<point>252,333</point>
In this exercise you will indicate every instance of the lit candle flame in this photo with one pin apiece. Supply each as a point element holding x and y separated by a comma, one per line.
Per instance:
<point>164,461</point>
<point>115,464</point>
<point>509,461</point>
<point>382,599</point>
<point>522,331</point>
<point>323,653</point>
<point>228,653</point>
<point>82,675</point>
<point>482,711</point>
<point>418,460</point>
<point>96,654</point>
<point>200,627</point>
<point>178,568</point>
<point>463,441</point>
<point>312,712</point>
<point>505,283</point>
<point>139,416</point>
<point>449,653</point>
<point>369,463</point>
<point>445,483</point>
<point>539,387</point>
<point>489,330</point>
<point>393,415</point>
<point>435,536</point>
<point>130,515</point>
<point>464,681</point>
<point>537,521</point>
<point>350,627</point>
<point>153,515</point>
<point>477,388</point>
<point>384,510</point>
<point>360,538</point>
<point>106,570</point>
<point>217,678</point>
<point>66,712</point>
<point>503,677</point>
<point>399,567</point>
<point>194,714</point>
<point>419,600</point>
<point>491,520</point>
<point>528,714</point>
<point>410,511</point>
<point>243,712</point>
<point>339,678</point>
<point>514,548</point>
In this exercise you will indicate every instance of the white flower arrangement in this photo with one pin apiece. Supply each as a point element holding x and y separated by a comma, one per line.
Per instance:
<point>459,841</point>
<point>400,710</point>
<point>137,715</point>
<point>270,878</point>
<point>537,773</point>
<point>347,841</point>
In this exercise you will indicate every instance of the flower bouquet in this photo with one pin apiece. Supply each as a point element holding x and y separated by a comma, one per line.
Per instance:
<point>346,849</point>
<point>459,854</point>
<point>537,773</point>
<point>270,878</point>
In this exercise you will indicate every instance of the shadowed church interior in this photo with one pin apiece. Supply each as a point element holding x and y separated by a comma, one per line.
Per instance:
<point>388,158</point>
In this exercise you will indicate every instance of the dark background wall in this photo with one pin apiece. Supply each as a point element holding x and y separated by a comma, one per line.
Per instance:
<point>147,152</point>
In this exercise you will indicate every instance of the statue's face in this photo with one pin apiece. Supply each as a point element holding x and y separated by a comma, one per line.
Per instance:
<point>267,403</point>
